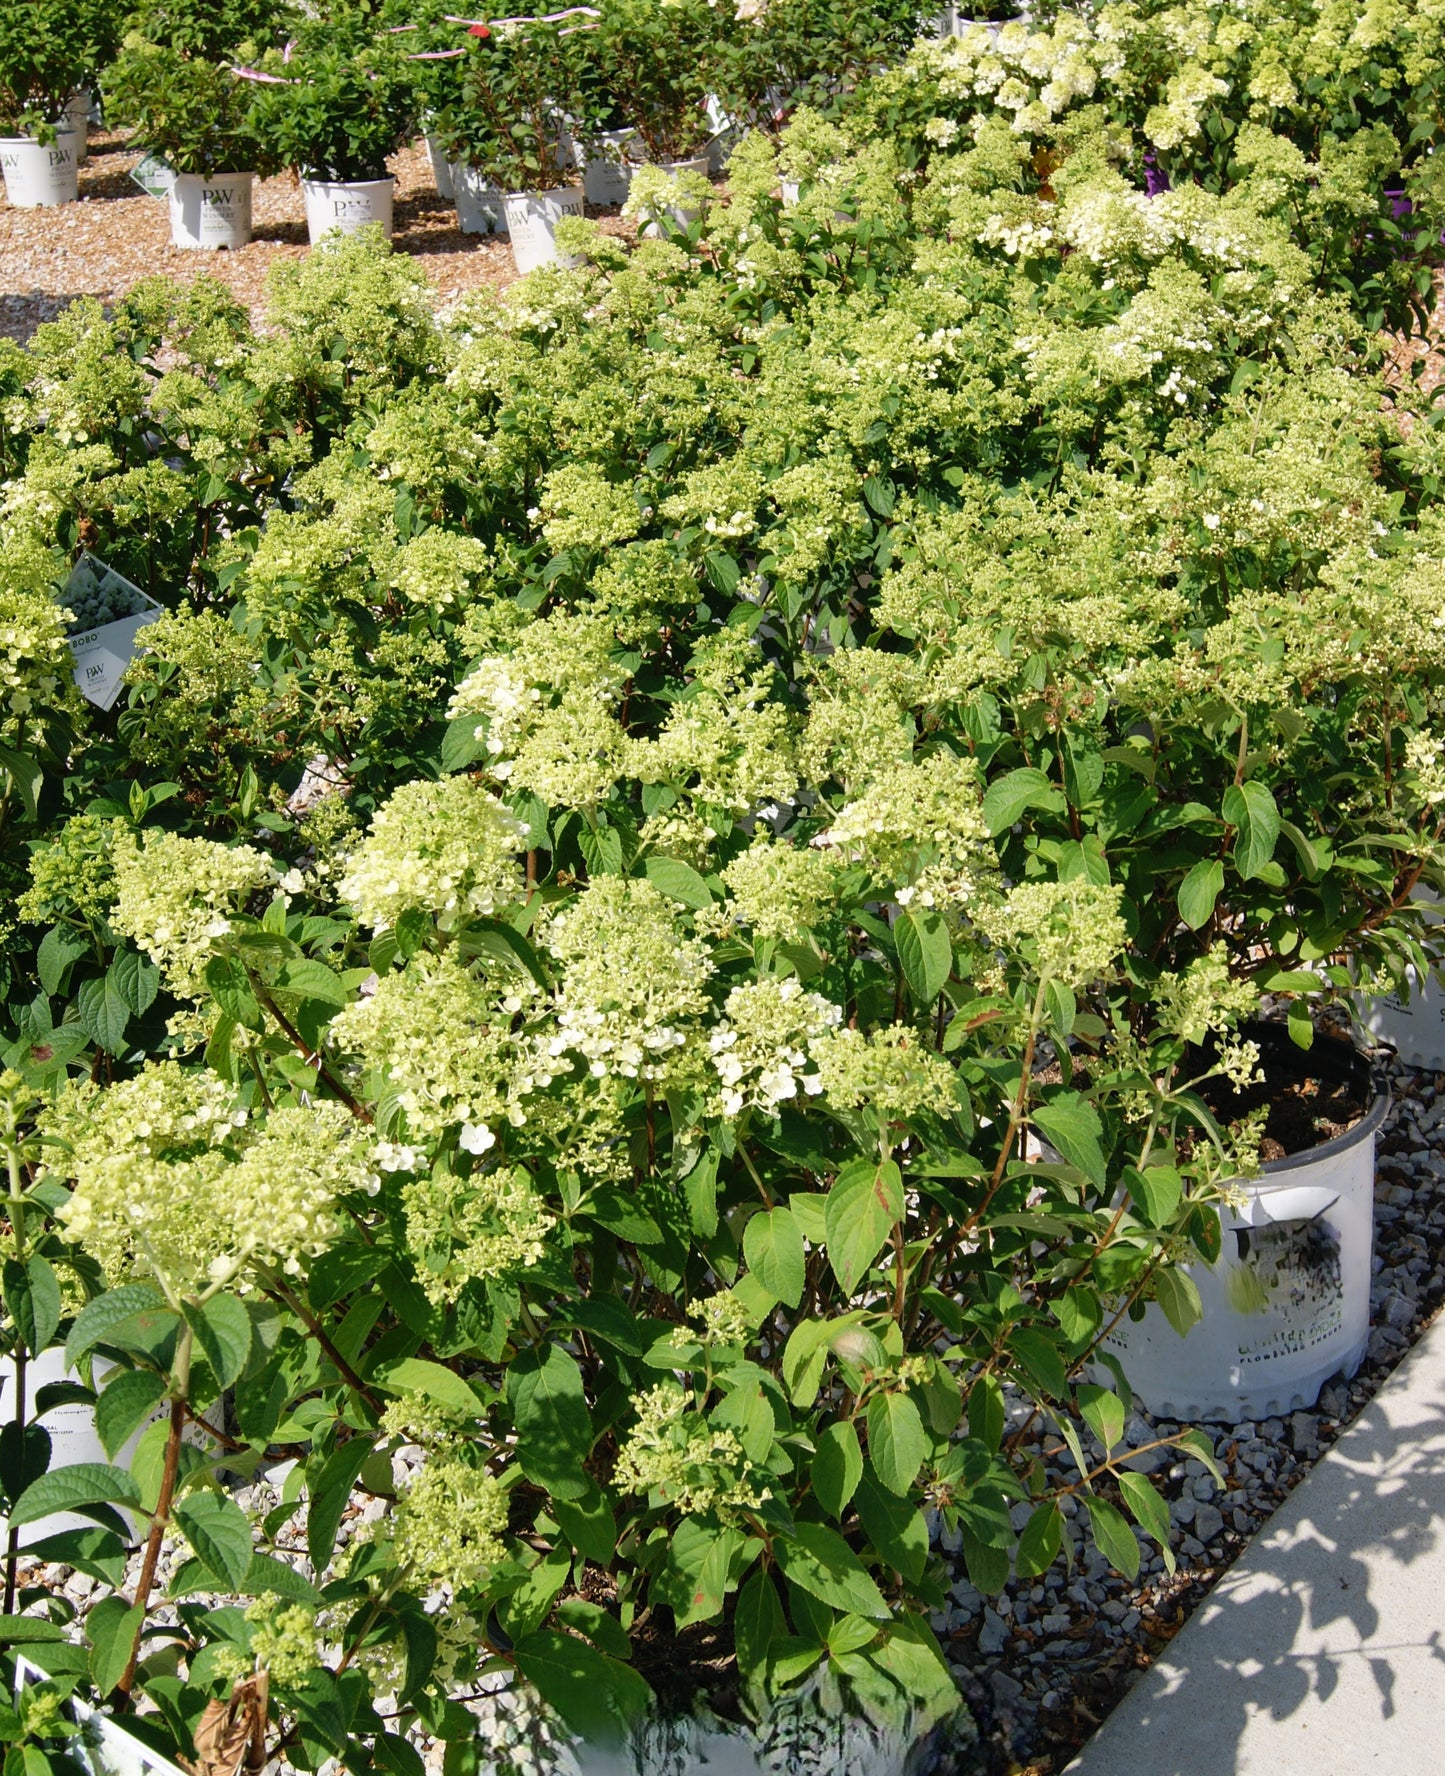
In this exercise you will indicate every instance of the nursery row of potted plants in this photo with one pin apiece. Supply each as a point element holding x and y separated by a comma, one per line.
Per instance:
<point>523,115</point>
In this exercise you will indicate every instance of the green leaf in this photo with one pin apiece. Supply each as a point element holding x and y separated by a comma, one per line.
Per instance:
<point>266,1577</point>
<point>925,953</point>
<point>32,1294</point>
<point>700,1189</point>
<point>309,979</point>
<point>1040,1358</point>
<point>60,946</point>
<point>1039,1544</point>
<point>1079,1313</point>
<point>71,1489</point>
<point>1071,1123</point>
<point>1103,1412</point>
<point>103,1013</point>
<point>1198,892</point>
<point>757,1624</point>
<point>330,1490</point>
<point>837,1466</point>
<point>910,1655</point>
<point>415,1375</point>
<point>1251,810</point>
<point>136,979</point>
<point>820,1562</point>
<point>862,1208</point>
<point>588,1523</point>
<point>897,1441</point>
<point>216,1527</point>
<point>1010,796</point>
<point>694,1577</point>
<point>596,1696</point>
<point>986,1411</point>
<point>125,1403</point>
<point>223,1331</point>
<point>26,776</point>
<point>1156,1192</point>
<point>1113,1536</point>
<point>1150,1511</point>
<point>773,1247</point>
<point>111,1628</point>
<point>678,881</point>
<point>554,1432</point>
<point>230,986</point>
<point>896,1528</point>
<point>1178,1298</point>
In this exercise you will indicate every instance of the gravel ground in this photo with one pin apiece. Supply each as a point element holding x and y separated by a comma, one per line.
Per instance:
<point>116,235</point>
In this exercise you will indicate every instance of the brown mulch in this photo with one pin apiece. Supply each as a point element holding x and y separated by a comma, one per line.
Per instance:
<point>116,235</point>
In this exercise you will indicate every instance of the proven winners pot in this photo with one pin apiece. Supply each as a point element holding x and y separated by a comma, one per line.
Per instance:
<point>211,211</point>
<point>532,218</point>
<point>39,174</point>
<point>337,207</point>
<point>1286,1303</point>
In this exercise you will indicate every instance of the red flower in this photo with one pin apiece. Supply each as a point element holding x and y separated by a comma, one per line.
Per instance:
<point>478,31</point>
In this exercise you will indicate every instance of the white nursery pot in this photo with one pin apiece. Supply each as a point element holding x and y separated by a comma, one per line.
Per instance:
<point>1415,1026</point>
<point>37,176</point>
<point>73,1436</point>
<point>347,208</point>
<point>441,169</point>
<point>676,213</point>
<point>211,211</point>
<point>481,208</point>
<point>607,178</point>
<point>77,114</point>
<point>532,218</point>
<point>1288,1303</point>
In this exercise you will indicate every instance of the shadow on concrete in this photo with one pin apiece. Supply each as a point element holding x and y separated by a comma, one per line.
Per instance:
<point>1323,1649</point>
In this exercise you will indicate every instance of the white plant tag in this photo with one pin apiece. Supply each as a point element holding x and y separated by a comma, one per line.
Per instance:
<point>154,175</point>
<point>109,612</point>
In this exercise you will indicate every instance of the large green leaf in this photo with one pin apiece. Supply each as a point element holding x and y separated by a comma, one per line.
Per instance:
<point>1113,1536</point>
<point>862,1208</point>
<point>925,953</point>
<point>837,1466</point>
<point>217,1529</point>
<point>897,1441</point>
<point>32,1294</point>
<point>820,1562</point>
<point>1198,892</point>
<point>1072,1124</point>
<point>597,1696</point>
<point>99,1317</point>
<point>1250,809</point>
<point>1010,796</point>
<point>773,1247</point>
<point>125,1403</point>
<point>554,1432</point>
<point>330,1492</point>
<point>71,1489</point>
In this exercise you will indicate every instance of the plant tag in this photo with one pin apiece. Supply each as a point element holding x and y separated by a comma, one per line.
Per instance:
<point>154,175</point>
<point>102,1746</point>
<point>109,612</point>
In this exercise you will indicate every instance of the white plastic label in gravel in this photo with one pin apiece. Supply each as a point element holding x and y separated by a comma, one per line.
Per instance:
<point>110,611</point>
<point>154,175</point>
<point>102,1746</point>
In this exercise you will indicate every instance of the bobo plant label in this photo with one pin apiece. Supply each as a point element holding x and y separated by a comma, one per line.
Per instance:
<point>109,611</point>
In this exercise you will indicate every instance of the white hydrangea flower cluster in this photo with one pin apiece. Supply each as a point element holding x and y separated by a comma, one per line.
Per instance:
<point>1034,74</point>
<point>778,888</point>
<point>442,1040</point>
<point>632,989</point>
<point>175,896</point>
<point>449,1524</point>
<point>919,828</point>
<point>1203,998</point>
<point>674,1452</point>
<point>760,1048</point>
<point>484,1226</point>
<point>888,1071</point>
<point>1186,98</point>
<point>172,1177</point>
<point>437,568</point>
<point>448,847</point>
<point>1070,932</point>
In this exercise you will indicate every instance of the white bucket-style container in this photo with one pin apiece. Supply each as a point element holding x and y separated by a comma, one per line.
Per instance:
<point>441,169</point>
<point>1413,1026</point>
<point>211,211</point>
<point>77,114</point>
<point>607,172</point>
<point>1287,1305</point>
<point>481,208</point>
<point>334,205</point>
<point>532,218</point>
<point>680,217</point>
<point>38,175</point>
<point>73,1436</point>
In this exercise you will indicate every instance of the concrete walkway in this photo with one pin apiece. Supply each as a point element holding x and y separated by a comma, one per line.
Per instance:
<point>1322,1651</point>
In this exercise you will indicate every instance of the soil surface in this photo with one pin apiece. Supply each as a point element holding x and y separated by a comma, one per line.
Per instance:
<point>1303,1113</point>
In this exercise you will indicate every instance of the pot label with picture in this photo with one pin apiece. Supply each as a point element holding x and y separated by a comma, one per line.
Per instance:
<point>109,612</point>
